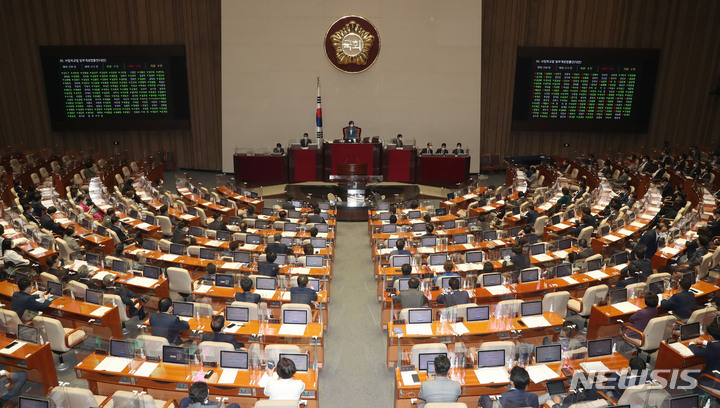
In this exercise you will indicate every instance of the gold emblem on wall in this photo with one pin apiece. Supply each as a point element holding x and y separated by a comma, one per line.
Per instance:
<point>352,44</point>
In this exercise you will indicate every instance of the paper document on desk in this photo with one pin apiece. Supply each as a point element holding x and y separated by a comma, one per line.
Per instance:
<point>265,293</point>
<point>570,280</point>
<point>437,268</point>
<point>682,349</point>
<point>203,288</point>
<point>214,243</point>
<point>250,247</point>
<point>492,375</point>
<point>234,329</point>
<point>541,372</point>
<point>560,254</point>
<point>624,232</point>
<point>146,369</point>
<point>286,295</point>
<point>419,329</point>
<point>535,321</point>
<point>594,367</point>
<point>301,271</point>
<point>187,217</point>
<point>143,225</point>
<point>136,251</point>
<point>637,224</point>
<point>232,265</point>
<point>113,364</point>
<point>596,274</point>
<point>385,251</point>
<point>228,376</point>
<point>10,350</point>
<point>292,329</point>
<point>626,307</point>
<point>469,246</point>
<point>407,377</point>
<point>322,235</point>
<point>142,281</point>
<point>488,208</point>
<point>289,234</point>
<point>426,250</point>
<point>670,251</point>
<point>612,238</point>
<point>102,274</point>
<point>543,258</point>
<point>39,251</point>
<point>127,219</point>
<point>497,290</point>
<point>459,328</point>
<point>100,311</point>
<point>168,257</point>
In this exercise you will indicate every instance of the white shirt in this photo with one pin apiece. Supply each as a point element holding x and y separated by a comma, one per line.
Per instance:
<point>284,389</point>
<point>15,258</point>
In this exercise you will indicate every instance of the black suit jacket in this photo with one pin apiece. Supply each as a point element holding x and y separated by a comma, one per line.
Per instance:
<point>650,239</point>
<point>168,326</point>
<point>667,190</point>
<point>48,223</point>
<point>458,151</point>
<point>277,247</point>
<point>22,301</point>
<point>711,354</point>
<point>248,297</point>
<point>217,225</point>
<point>222,338</point>
<point>441,151</point>
<point>121,235</point>
<point>315,219</point>
<point>682,304</point>
<point>426,151</point>
<point>305,142</point>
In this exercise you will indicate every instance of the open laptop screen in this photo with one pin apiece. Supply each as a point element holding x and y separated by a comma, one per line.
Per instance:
<point>237,314</point>
<point>264,283</point>
<point>420,316</point>
<point>600,347</point>
<point>302,361</point>
<point>234,359</point>
<point>490,358</point>
<point>294,316</point>
<point>548,354</point>
<point>425,358</point>
<point>478,313</point>
<point>533,308</point>
<point>174,355</point>
<point>121,348</point>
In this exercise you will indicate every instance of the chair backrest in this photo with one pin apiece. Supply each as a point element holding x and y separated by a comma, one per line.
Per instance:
<point>128,399</point>
<point>508,346</point>
<point>592,296</point>
<point>114,236</point>
<point>115,300</point>
<point>253,309</point>
<point>644,395</point>
<point>705,316</point>
<point>164,245</point>
<point>656,277</point>
<point>201,213</point>
<point>194,250</point>
<point>508,307</point>
<point>119,179</point>
<point>203,309</point>
<point>72,397</point>
<point>592,258</point>
<point>273,351</point>
<point>574,173</point>
<point>77,287</point>
<point>277,404</point>
<point>704,267</point>
<point>63,249</point>
<point>585,233</point>
<point>48,277</point>
<point>9,319</point>
<point>126,172</point>
<point>657,330</point>
<point>210,350</point>
<point>297,306</point>
<point>54,332</point>
<point>557,302</point>
<point>179,280</point>
<point>418,349</point>
<point>540,223</point>
<point>403,314</point>
<point>134,167</point>
<point>153,344</point>
<point>35,179</point>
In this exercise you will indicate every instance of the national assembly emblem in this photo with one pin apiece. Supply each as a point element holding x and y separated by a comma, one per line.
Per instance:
<point>352,44</point>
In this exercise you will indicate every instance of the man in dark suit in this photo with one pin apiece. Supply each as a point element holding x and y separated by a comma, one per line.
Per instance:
<point>638,258</point>
<point>683,303</point>
<point>650,238</point>
<point>278,149</point>
<point>429,231</point>
<point>115,227</point>
<point>127,297</point>
<point>22,301</point>
<point>47,222</point>
<point>399,140</point>
<point>217,224</point>
<point>519,259</point>
<point>305,141</point>
<point>585,251</point>
<point>667,190</point>
<point>277,247</point>
<point>37,205</point>
<point>639,320</point>
<point>217,324</point>
<point>440,388</point>
<point>287,205</point>
<point>247,295</point>
<point>301,293</point>
<point>400,248</point>
<point>165,324</point>
<point>455,296</point>
<point>28,214</point>
<point>516,396</point>
<point>710,351</point>
<point>268,268</point>
<point>442,150</point>
<point>180,234</point>
<point>412,297</point>
<point>427,149</point>
<point>458,149</point>
<point>315,218</point>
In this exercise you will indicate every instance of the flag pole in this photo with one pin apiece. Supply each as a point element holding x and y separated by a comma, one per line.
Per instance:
<point>318,117</point>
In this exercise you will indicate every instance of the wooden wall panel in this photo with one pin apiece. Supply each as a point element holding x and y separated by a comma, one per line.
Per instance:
<point>26,25</point>
<point>685,32</point>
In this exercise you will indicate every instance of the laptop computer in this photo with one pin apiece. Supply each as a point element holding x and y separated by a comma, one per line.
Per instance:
<point>237,314</point>
<point>178,249</point>
<point>28,334</point>
<point>122,349</point>
<point>224,281</point>
<point>533,308</point>
<point>430,241</point>
<point>241,257</point>
<point>294,316</point>
<point>490,358</point>
<point>556,388</point>
<point>459,239</point>
<point>474,257</point>
<point>184,309</point>
<point>599,348</point>
<point>399,260</point>
<point>265,286</point>
<point>618,295</point>
<point>33,402</point>
<point>94,296</point>
<point>427,358</point>
<point>301,360</point>
<point>237,360</point>
<point>491,279</point>
<point>314,261</point>
<point>529,275</point>
<point>689,331</point>
<point>478,313</point>
<point>420,316</point>
<point>55,289</point>
<point>548,354</point>
<point>437,259</point>
<point>687,401</point>
<point>174,355</point>
<point>151,271</point>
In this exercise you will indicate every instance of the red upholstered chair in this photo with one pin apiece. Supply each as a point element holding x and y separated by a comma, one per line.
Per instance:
<point>359,135</point>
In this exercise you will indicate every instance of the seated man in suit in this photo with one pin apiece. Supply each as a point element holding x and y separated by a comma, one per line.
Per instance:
<point>638,259</point>
<point>277,246</point>
<point>247,295</point>
<point>180,233</point>
<point>199,397</point>
<point>430,231</point>
<point>520,259</point>
<point>301,293</point>
<point>455,296</point>
<point>268,268</point>
<point>307,250</point>
<point>458,149</point>
<point>217,324</point>
<point>412,297</point>
<point>683,303</point>
<point>25,304</point>
<point>442,150</point>
<point>427,149</point>
<point>305,141</point>
<point>28,214</point>
<point>47,222</point>
<point>351,133</point>
<point>69,238</point>
<point>217,224</point>
<point>278,149</point>
<point>640,319</point>
<point>315,218</point>
<point>516,396</point>
<point>210,271</point>
<point>115,227</point>
<point>165,324</point>
<point>440,388</point>
<point>406,270</point>
<point>129,298</point>
<point>710,351</point>
<point>400,248</point>
<point>585,251</point>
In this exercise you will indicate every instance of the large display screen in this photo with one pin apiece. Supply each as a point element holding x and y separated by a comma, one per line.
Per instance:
<point>116,87</point>
<point>584,89</point>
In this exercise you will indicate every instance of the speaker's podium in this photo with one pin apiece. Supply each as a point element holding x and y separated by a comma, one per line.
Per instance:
<point>341,153</point>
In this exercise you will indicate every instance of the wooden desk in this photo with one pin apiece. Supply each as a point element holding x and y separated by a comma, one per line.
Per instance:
<point>670,360</point>
<point>398,164</point>
<point>74,313</point>
<point>175,379</point>
<point>241,198</point>
<point>209,205</point>
<point>441,170</point>
<point>260,169</point>
<point>344,153</point>
<point>37,360</point>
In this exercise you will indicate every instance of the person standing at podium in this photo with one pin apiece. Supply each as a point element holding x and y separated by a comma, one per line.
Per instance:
<point>305,141</point>
<point>351,133</point>
<point>399,140</point>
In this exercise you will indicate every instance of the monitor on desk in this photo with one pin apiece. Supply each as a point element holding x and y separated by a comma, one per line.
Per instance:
<point>85,223</point>
<point>599,348</point>
<point>556,387</point>
<point>287,241</point>
<point>474,257</point>
<point>265,283</point>
<point>301,360</point>
<point>689,331</point>
<point>506,252</point>
<point>471,221</point>
<point>224,280</point>
<point>593,264</point>
<point>241,257</point>
<point>55,288</point>
<point>325,216</point>
<point>399,260</point>
<point>92,259</point>
<point>178,249</point>
<point>604,230</point>
<point>657,288</point>
<point>314,283</point>
<point>254,195</point>
<point>100,230</point>
<point>318,243</point>
<point>118,265</point>
<point>149,244</point>
<point>261,224</point>
<point>448,224</point>
<point>429,241</point>
<point>121,348</point>
<point>450,196</point>
<point>149,219</point>
<point>548,354</point>
<point>533,308</point>
<point>420,316</point>
<point>516,210</point>
<point>566,243</point>
<point>20,276</point>
<point>290,227</point>
<point>530,275</point>
<point>237,314</point>
<point>183,309</point>
<point>253,239</point>
<point>414,214</point>
<point>151,271</point>
<point>389,228</point>
<point>234,220</point>
<point>691,276</point>
<point>556,219</point>
<point>491,279</point>
<point>439,212</point>
<point>382,206</point>
<point>537,249</point>
<point>281,259</point>
<point>403,284</point>
<point>224,202</point>
<point>134,214</point>
<point>687,401</point>
<point>28,334</point>
<point>196,231</point>
<point>294,316</point>
<point>384,215</point>
<point>425,358</point>
<point>191,211</point>
<point>562,270</point>
<point>418,227</point>
<point>33,402</point>
<point>314,261</point>
<point>444,281</point>
<point>490,235</point>
<point>267,211</point>
<point>478,313</point>
<point>174,355</point>
<point>321,227</point>
<point>94,296</point>
<point>569,214</point>
<point>223,236</point>
<point>618,295</point>
<point>237,360</point>
<point>207,253</point>
<point>490,358</point>
<point>460,239</point>
<point>621,258</point>
<point>437,259</point>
